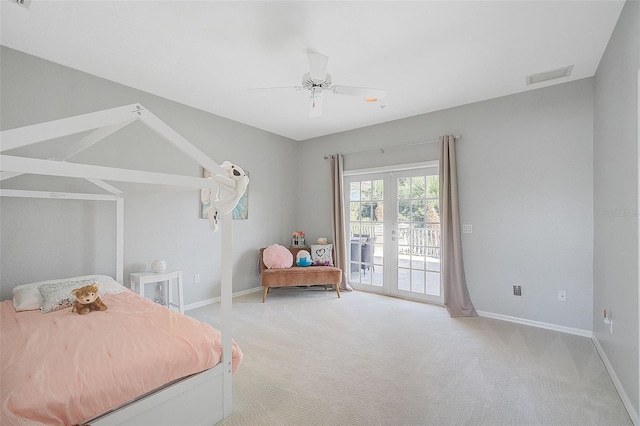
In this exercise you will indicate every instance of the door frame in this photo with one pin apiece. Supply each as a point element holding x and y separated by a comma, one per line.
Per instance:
<point>373,175</point>
<point>390,258</point>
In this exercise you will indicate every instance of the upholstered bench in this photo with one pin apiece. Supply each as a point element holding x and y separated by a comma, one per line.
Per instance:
<point>298,275</point>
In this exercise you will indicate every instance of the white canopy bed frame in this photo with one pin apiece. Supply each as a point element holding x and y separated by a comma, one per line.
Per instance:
<point>204,398</point>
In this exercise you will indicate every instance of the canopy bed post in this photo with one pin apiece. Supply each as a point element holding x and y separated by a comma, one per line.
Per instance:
<point>226,293</point>
<point>120,240</point>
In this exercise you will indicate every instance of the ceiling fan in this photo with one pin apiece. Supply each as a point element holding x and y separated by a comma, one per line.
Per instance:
<point>318,81</point>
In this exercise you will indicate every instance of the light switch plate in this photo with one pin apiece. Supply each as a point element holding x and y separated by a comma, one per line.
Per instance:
<point>467,229</point>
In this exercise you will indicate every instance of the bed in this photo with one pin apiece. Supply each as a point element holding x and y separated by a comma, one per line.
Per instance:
<point>197,394</point>
<point>100,361</point>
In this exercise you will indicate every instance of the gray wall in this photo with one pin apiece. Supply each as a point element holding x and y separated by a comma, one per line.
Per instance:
<point>41,239</point>
<point>616,199</point>
<point>526,186</point>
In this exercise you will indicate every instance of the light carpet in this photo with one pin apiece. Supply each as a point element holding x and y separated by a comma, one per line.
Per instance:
<point>366,359</point>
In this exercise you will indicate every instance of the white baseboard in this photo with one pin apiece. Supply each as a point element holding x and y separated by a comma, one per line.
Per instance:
<point>616,382</point>
<point>545,325</point>
<point>217,299</point>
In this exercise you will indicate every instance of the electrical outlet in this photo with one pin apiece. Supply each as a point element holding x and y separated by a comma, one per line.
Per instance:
<point>517,290</point>
<point>562,296</point>
<point>196,278</point>
<point>467,229</point>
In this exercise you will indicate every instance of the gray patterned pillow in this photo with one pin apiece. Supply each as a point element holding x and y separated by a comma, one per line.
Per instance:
<point>58,295</point>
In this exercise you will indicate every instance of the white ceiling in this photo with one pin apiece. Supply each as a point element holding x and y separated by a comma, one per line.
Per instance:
<point>428,55</point>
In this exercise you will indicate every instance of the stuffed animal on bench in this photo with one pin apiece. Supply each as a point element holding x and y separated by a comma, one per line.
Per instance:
<point>87,300</point>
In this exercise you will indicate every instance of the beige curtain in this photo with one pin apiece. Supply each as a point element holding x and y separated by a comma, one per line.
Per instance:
<point>337,219</point>
<point>456,294</point>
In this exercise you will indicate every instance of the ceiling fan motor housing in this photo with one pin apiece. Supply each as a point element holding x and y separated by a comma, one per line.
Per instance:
<point>310,83</point>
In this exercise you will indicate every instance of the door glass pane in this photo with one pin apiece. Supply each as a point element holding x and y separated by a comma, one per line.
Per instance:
<point>418,211</point>
<point>404,257</point>
<point>354,276</point>
<point>366,231</point>
<point>404,210</point>
<point>417,282</point>
<point>433,186</point>
<point>433,263</point>
<point>354,191</point>
<point>376,276</point>
<point>378,211</point>
<point>418,261</point>
<point>366,211</point>
<point>417,187</point>
<point>404,184</point>
<point>378,187</point>
<point>418,233</point>
<point>365,190</point>
<point>404,279</point>
<point>354,209</point>
<point>433,283</point>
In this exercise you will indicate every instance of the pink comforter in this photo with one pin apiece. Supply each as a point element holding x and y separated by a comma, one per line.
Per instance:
<point>65,368</point>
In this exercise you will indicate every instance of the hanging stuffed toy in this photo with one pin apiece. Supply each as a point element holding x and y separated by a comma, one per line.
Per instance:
<point>228,194</point>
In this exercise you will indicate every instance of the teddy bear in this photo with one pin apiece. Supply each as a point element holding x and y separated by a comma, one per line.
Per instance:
<point>233,185</point>
<point>87,300</point>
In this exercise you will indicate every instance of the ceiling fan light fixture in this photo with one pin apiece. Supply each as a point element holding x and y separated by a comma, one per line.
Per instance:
<point>315,104</point>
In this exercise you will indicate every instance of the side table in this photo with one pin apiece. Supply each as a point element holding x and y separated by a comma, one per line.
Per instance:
<point>139,279</point>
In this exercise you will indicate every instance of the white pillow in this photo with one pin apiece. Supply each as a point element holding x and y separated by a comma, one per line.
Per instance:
<point>26,297</point>
<point>321,254</point>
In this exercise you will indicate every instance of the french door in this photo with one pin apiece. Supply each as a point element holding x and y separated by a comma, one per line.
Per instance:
<point>393,225</point>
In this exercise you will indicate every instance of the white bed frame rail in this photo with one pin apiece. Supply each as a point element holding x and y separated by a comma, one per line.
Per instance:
<point>212,389</point>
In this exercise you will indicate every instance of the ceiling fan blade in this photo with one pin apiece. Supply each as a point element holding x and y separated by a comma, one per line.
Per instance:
<point>315,105</point>
<point>286,89</point>
<point>361,92</point>
<point>318,66</point>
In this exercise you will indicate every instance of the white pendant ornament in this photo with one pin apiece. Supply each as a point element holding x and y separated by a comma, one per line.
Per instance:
<point>158,266</point>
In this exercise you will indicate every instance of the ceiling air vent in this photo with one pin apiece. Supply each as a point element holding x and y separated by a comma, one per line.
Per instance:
<point>549,75</point>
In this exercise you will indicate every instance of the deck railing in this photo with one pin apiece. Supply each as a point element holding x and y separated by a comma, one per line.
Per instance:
<point>419,241</point>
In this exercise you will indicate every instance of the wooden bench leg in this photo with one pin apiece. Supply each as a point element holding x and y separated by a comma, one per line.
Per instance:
<point>338,290</point>
<point>264,294</point>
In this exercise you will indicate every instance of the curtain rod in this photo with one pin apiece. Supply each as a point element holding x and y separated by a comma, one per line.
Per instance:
<point>382,150</point>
